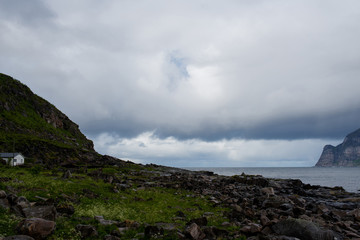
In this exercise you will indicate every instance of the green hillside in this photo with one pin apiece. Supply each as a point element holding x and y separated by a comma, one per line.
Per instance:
<point>31,125</point>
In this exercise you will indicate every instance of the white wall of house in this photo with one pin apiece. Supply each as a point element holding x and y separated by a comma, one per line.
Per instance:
<point>18,160</point>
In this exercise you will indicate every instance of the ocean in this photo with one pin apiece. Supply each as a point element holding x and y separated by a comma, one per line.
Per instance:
<point>348,178</point>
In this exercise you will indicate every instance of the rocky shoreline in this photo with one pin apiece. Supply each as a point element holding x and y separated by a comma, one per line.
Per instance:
<point>258,208</point>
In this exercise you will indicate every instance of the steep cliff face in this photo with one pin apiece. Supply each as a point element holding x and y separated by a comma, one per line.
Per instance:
<point>31,125</point>
<point>347,154</point>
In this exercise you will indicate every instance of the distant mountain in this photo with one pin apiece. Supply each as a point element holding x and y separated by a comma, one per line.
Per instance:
<point>31,125</point>
<point>347,154</point>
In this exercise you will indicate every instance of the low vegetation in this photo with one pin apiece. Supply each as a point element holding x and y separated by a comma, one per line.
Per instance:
<point>91,196</point>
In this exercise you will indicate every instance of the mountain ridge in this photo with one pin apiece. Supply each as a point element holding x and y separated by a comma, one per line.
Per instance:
<point>31,125</point>
<point>346,154</point>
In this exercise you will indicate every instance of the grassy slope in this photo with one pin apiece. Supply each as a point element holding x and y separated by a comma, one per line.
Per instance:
<point>149,205</point>
<point>24,127</point>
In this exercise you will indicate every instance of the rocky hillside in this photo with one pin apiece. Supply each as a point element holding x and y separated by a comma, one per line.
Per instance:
<point>31,125</point>
<point>347,154</point>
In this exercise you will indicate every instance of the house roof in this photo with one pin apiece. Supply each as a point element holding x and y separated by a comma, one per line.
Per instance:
<point>9,155</point>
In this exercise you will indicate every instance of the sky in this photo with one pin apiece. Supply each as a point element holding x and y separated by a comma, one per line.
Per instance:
<point>247,83</point>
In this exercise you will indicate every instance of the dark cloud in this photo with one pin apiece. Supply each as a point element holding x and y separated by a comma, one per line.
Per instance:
<point>26,12</point>
<point>188,70</point>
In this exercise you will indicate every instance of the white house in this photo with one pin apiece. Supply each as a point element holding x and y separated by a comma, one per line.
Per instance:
<point>14,158</point>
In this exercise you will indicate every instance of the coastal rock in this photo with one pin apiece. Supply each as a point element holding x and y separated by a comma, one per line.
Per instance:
<point>36,227</point>
<point>346,154</point>
<point>193,231</point>
<point>45,212</point>
<point>302,229</point>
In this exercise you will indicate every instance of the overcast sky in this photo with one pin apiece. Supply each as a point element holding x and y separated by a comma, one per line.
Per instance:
<point>193,83</point>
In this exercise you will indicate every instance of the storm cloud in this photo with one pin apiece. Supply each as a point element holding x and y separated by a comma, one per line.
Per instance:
<point>234,72</point>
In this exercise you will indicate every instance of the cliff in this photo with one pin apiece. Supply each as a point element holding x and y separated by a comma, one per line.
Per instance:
<point>31,125</point>
<point>346,154</point>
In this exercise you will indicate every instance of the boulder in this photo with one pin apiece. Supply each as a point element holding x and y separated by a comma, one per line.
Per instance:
<point>36,227</point>
<point>302,229</point>
<point>269,191</point>
<point>2,194</point>
<point>45,212</point>
<point>86,230</point>
<point>251,228</point>
<point>22,202</point>
<point>193,231</point>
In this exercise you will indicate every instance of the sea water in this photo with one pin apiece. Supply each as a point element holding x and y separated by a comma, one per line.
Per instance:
<point>348,178</point>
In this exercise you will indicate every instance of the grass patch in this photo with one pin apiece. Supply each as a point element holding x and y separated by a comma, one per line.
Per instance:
<point>93,197</point>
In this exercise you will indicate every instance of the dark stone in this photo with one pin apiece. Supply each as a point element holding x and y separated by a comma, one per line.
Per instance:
<point>86,230</point>
<point>152,231</point>
<point>302,229</point>
<point>45,212</point>
<point>36,227</point>
<point>193,231</point>
<point>180,214</point>
<point>22,201</point>
<point>66,209</point>
<point>2,194</point>
<point>12,198</point>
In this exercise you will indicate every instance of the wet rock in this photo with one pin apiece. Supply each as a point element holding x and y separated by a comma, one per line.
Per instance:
<point>193,231</point>
<point>302,229</point>
<point>86,230</point>
<point>36,227</point>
